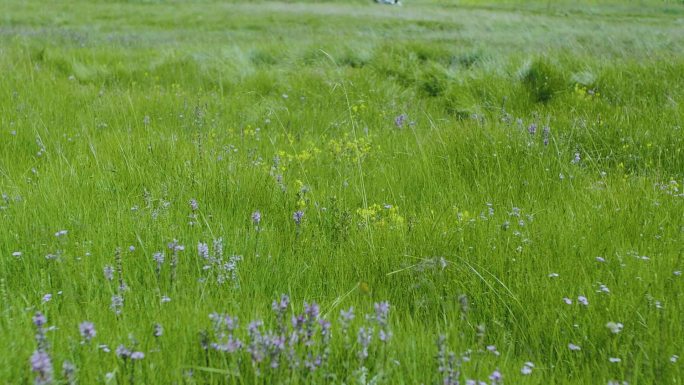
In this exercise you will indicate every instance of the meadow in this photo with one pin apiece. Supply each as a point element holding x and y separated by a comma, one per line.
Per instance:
<point>446,192</point>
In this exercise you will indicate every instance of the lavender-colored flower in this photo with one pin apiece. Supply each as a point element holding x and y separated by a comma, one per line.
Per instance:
<point>194,206</point>
<point>39,320</point>
<point>400,120</point>
<point>47,297</point>
<point>381,312</point>
<point>600,259</point>
<point>546,135</point>
<point>576,159</point>
<point>117,304</point>
<point>108,272</point>
<point>158,330</point>
<point>583,300</point>
<point>614,327</point>
<point>87,330</point>
<point>159,258</point>
<point>297,217</point>
<point>567,301</point>
<point>492,349</point>
<point>256,217</point>
<point>41,364</point>
<point>122,352</point>
<point>69,370</point>
<point>364,339</point>
<point>614,360</point>
<point>496,377</point>
<point>347,316</point>
<point>532,128</point>
<point>527,369</point>
<point>136,356</point>
<point>61,233</point>
<point>203,250</point>
<point>574,347</point>
<point>165,299</point>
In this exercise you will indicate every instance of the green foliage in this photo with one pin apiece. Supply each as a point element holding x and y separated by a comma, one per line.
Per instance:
<point>413,140</point>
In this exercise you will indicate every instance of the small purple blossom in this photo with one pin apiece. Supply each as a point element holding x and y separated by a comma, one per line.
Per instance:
<point>122,352</point>
<point>297,217</point>
<point>574,347</point>
<point>532,128</point>
<point>194,206</point>
<point>41,364</point>
<point>583,300</point>
<point>108,272</point>
<point>400,120</point>
<point>256,218</point>
<point>47,297</point>
<point>87,330</point>
<point>136,356</point>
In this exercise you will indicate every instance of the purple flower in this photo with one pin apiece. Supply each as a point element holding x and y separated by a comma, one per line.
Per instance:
<point>256,218</point>
<point>194,206</point>
<point>117,304</point>
<point>158,330</point>
<point>158,257</point>
<point>87,330</point>
<point>42,365</point>
<point>122,352</point>
<point>576,159</point>
<point>583,300</point>
<point>532,129</point>
<point>346,316</point>
<point>137,356</point>
<point>39,320</point>
<point>47,297</point>
<point>567,301</point>
<point>400,120</point>
<point>496,377</point>
<point>546,135</point>
<point>297,217</point>
<point>574,347</point>
<point>108,272</point>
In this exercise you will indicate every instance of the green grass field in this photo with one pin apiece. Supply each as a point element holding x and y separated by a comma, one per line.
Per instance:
<point>507,176</point>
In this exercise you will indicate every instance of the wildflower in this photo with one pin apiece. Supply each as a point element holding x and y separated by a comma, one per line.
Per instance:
<point>87,330</point>
<point>122,352</point>
<point>256,218</point>
<point>400,120</point>
<point>583,300</point>
<point>364,338</point>
<point>553,275</point>
<point>614,327</point>
<point>117,304</point>
<point>158,257</point>
<point>18,254</point>
<point>137,356</point>
<point>158,330</point>
<point>496,377</point>
<point>69,370</point>
<point>674,358</point>
<point>61,233</point>
<point>576,159</point>
<point>546,135</point>
<point>614,360</point>
<point>108,272</point>
<point>567,300</point>
<point>574,347</point>
<point>41,364</point>
<point>527,369</point>
<point>600,259</point>
<point>47,298</point>
<point>297,217</point>
<point>165,299</point>
<point>678,273</point>
<point>492,349</point>
<point>194,206</point>
<point>532,128</point>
